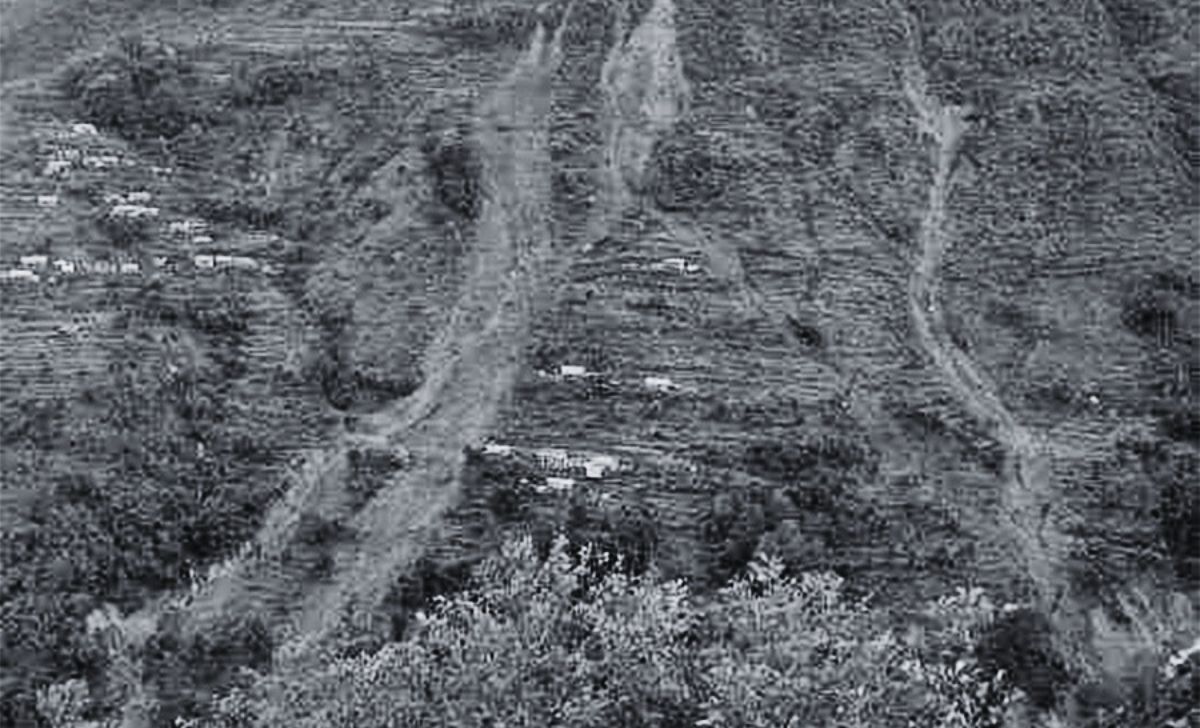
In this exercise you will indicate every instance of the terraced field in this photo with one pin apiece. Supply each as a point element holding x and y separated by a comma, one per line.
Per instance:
<point>828,282</point>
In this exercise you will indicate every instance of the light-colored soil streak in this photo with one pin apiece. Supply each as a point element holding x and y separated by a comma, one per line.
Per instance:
<point>645,92</point>
<point>472,364</point>
<point>1028,488</point>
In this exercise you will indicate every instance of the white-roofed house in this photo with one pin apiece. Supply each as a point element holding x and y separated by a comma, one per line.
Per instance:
<point>56,168</point>
<point>34,261</point>
<point>597,465</point>
<point>659,384</point>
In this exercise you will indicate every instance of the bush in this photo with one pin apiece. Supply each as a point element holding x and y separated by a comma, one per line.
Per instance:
<point>270,85</point>
<point>549,641</point>
<point>1019,643</point>
<point>687,172</point>
<point>457,172</point>
<point>140,91</point>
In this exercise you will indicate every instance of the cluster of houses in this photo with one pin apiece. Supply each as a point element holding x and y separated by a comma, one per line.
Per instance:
<point>661,385</point>
<point>66,157</point>
<point>31,268</point>
<point>131,205</point>
<point>560,464</point>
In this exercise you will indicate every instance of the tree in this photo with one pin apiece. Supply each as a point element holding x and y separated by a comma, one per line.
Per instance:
<point>554,641</point>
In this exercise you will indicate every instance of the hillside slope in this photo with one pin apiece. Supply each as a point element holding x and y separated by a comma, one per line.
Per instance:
<point>899,290</point>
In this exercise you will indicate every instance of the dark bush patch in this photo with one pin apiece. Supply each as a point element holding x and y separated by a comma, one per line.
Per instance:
<point>456,171</point>
<point>140,91</point>
<point>1020,644</point>
<point>686,171</point>
<point>271,85</point>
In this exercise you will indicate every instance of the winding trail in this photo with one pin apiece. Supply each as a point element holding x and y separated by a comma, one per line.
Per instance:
<point>1027,487</point>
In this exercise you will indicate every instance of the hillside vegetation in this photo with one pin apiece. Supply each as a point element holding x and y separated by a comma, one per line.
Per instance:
<point>600,363</point>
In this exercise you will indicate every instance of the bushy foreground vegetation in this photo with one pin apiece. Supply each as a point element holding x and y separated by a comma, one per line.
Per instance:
<point>575,641</point>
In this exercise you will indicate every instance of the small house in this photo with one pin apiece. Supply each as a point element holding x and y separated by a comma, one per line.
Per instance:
<point>492,448</point>
<point>34,261</point>
<point>130,267</point>
<point>572,370</point>
<point>202,240</point>
<point>66,267</point>
<point>133,211</point>
<point>140,196</point>
<point>597,465</point>
<point>47,200</point>
<point>659,384</point>
<point>204,261</point>
<point>56,168</point>
<point>83,129</point>
<point>243,262</point>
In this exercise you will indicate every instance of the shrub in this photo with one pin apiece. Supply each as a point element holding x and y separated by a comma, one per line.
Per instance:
<point>457,172</point>
<point>687,171</point>
<point>550,641</point>
<point>140,91</point>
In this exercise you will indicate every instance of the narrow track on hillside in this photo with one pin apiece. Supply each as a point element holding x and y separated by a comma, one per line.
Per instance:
<point>1027,485</point>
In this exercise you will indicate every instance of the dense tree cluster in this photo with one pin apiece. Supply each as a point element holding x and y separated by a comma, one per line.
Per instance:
<point>549,641</point>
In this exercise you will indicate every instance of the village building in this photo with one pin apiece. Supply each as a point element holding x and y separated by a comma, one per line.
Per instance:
<point>659,384</point>
<point>552,458</point>
<point>492,448</point>
<point>56,168</point>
